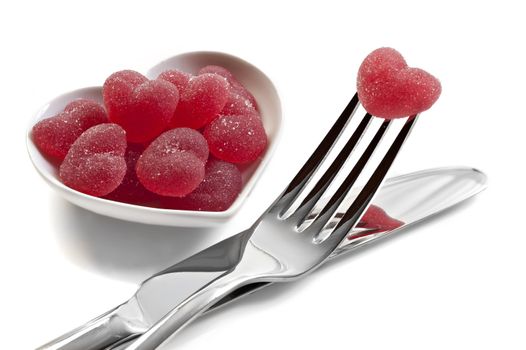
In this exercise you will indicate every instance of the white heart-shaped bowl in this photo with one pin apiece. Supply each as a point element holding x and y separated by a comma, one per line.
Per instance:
<point>250,76</point>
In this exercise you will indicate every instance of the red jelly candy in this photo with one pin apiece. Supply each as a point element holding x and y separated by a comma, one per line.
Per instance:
<point>236,139</point>
<point>238,105</point>
<point>179,78</point>
<point>180,140</point>
<point>118,88</point>
<point>142,107</point>
<point>388,88</point>
<point>103,138</point>
<point>173,165</point>
<point>131,190</point>
<point>235,85</point>
<point>217,192</point>
<point>201,101</point>
<point>175,175</point>
<point>54,136</point>
<point>95,162</point>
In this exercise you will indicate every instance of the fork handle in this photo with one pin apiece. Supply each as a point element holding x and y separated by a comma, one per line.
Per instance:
<point>97,334</point>
<point>246,271</point>
<point>180,316</point>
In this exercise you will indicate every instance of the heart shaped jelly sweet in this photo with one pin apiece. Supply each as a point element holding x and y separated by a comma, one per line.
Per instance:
<point>389,89</point>
<point>174,163</point>
<point>95,162</point>
<point>54,136</point>
<point>141,106</point>
<point>203,97</point>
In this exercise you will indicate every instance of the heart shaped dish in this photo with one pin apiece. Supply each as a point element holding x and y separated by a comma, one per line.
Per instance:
<point>250,76</point>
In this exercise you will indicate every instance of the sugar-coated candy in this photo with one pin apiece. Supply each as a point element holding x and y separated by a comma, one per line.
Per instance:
<point>103,138</point>
<point>180,140</point>
<point>118,88</point>
<point>96,175</point>
<point>238,105</point>
<point>143,107</point>
<point>174,164</point>
<point>131,190</point>
<point>236,139</point>
<point>179,78</point>
<point>201,101</point>
<point>174,175</point>
<point>54,136</point>
<point>235,85</point>
<point>388,88</point>
<point>217,192</point>
<point>95,162</point>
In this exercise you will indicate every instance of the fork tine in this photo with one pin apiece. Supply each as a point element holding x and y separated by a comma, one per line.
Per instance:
<point>315,160</point>
<point>319,188</point>
<point>338,225</point>
<point>318,207</point>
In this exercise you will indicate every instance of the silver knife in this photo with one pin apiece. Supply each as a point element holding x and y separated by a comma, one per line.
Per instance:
<point>402,201</point>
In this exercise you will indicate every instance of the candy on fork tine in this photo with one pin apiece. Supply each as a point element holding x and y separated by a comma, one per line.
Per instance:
<point>285,247</point>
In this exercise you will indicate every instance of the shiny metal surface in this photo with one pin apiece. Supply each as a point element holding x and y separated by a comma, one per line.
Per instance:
<point>410,198</point>
<point>276,248</point>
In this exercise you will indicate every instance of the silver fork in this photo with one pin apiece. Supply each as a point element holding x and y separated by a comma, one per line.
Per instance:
<point>290,240</point>
<point>293,237</point>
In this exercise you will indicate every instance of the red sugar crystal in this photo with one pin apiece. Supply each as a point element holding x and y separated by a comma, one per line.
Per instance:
<point>201,101</point>
<point>142,107</point>
<point>217,192</point>
<point>179,78</point>
<point>131,190</point>
<point>388,88</point>
<point>54,136</point>
<point>174,164</point>
<point>95,162</point>
<point>236,139</point>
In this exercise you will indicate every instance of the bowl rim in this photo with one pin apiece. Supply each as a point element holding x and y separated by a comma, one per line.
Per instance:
<point>191,214</point>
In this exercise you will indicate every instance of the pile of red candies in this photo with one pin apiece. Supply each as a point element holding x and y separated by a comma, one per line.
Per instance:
<point>172,142</point>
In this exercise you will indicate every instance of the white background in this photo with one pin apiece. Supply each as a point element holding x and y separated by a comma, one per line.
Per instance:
<point>457,282</point>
